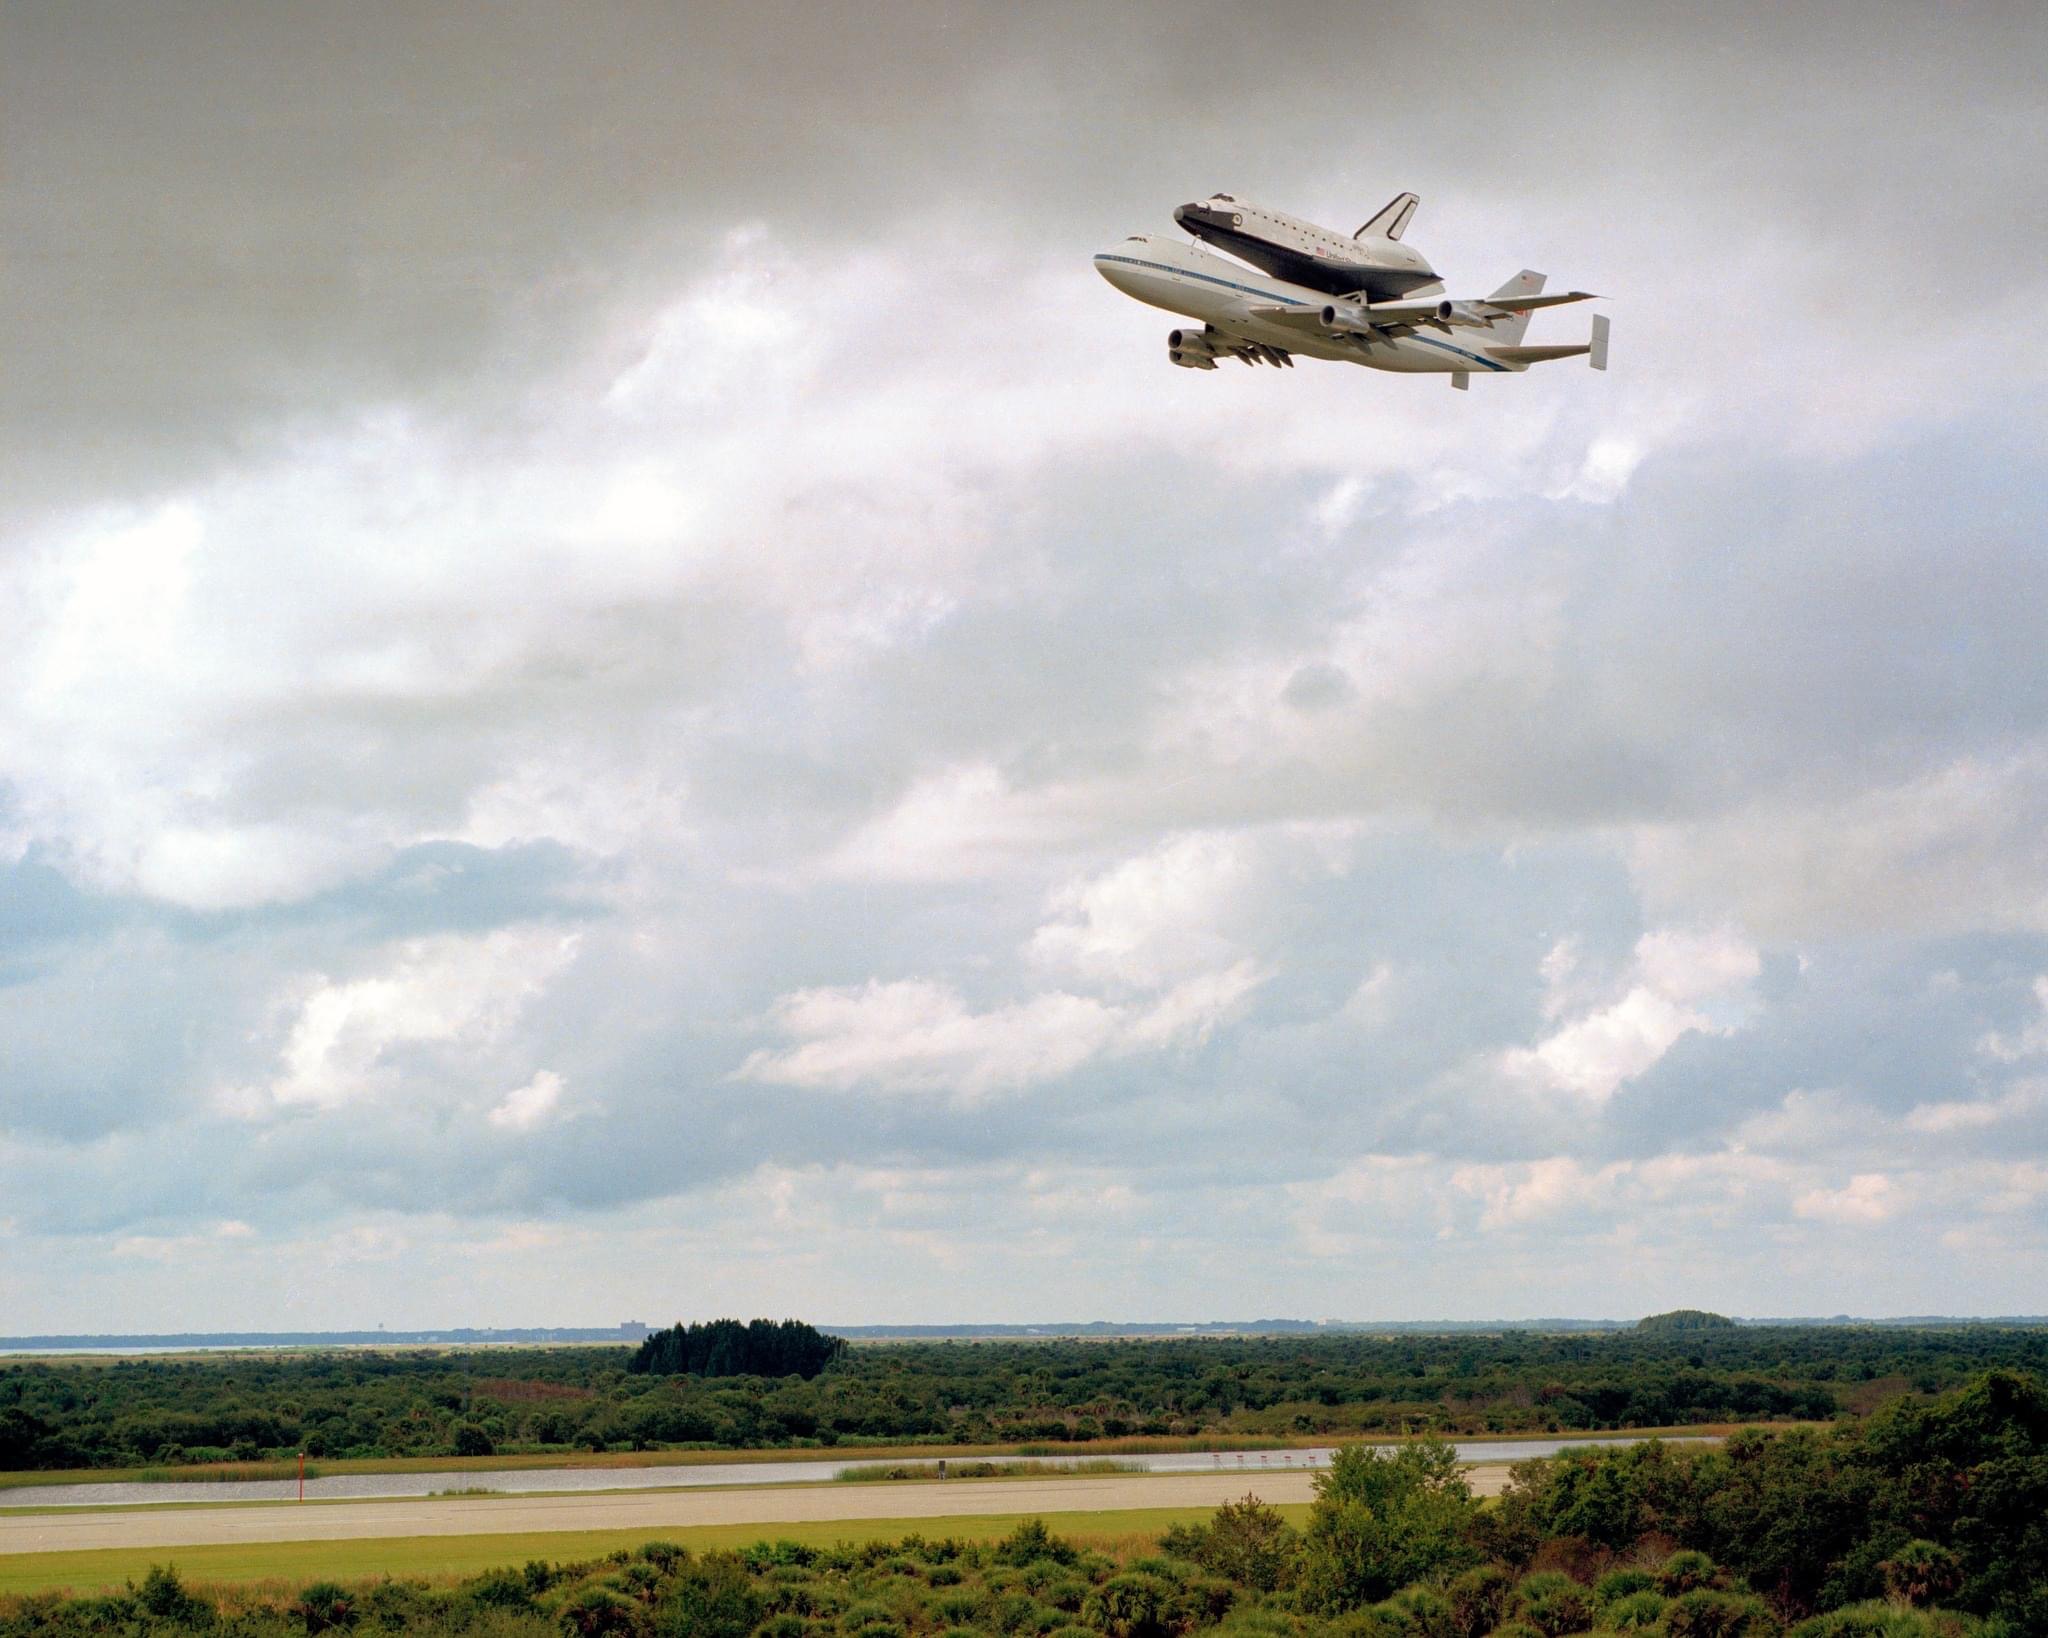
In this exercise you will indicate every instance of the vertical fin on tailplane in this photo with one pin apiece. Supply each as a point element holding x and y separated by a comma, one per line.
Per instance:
<point>1508,330</point>
<point>1393,219</point>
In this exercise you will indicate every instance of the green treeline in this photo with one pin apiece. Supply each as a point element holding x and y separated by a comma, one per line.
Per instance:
<point>725,1347</point>
<point>347,1403</point>
<point>1928,1520</point>
<point>1686,1319</point>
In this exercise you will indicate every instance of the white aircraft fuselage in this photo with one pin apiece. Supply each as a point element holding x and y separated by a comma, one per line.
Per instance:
<point>1185,279</point>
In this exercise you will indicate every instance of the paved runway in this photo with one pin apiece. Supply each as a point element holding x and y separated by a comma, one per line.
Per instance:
<point>493,1515</point>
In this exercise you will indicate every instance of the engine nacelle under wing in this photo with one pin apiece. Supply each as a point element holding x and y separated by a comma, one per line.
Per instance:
<point>1351,318</point>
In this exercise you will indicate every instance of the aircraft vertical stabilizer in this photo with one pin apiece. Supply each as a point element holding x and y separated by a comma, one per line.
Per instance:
<point>1509,330</point>
<point>1599,348</point>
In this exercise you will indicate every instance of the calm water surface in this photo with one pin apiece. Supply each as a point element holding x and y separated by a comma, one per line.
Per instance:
<point>518,1481</point>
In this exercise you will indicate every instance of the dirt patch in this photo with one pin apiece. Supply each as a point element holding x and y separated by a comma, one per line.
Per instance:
<point>514,1392</point>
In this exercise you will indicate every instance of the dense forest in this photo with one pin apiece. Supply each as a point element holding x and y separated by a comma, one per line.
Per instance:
<point>334,1404</point>
<point>1927,1520</point>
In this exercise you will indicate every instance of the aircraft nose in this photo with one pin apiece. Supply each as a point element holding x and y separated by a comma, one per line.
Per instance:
<point>1196,216</point>
<point>1114,266</point>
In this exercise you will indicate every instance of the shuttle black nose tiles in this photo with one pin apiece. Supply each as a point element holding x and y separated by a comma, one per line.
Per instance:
<point>1202,219</point>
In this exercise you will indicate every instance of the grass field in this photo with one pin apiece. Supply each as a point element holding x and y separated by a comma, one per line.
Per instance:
<point>445,1557</point>
<point>900,1472</point>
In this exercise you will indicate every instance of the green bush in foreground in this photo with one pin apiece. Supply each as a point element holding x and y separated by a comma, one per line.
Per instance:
<point>1031,1585</point>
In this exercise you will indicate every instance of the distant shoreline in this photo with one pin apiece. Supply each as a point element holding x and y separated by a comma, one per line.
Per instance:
<point>633,1332</point>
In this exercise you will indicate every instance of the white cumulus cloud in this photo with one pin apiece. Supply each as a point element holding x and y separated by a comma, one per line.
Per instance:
<point>447,989</point>
<point>1673,979</point>
<point>2031,1040</point>
<point>1868,1197</point>
<point>531,1105</point>
<point>1159,914</point>
<point>916,1035</point>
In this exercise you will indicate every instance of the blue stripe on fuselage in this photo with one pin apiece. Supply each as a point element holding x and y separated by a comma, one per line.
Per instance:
<point>1431,341</point>
<point>1291,301</point>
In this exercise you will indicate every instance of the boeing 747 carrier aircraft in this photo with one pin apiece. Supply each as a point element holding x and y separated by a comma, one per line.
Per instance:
<point>1369,299</point>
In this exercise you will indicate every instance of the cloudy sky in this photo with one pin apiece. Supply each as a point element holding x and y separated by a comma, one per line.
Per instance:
<point>629,692</point>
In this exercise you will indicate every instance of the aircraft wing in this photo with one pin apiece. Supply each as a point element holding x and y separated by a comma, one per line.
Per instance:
<point>1529,304</point>
<point>1382,316</point>
<point>1407,315</point>
<point>1400,312</point>
<point>1293,318</point>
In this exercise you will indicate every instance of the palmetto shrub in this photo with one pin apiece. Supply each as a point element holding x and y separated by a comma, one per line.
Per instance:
<point>1616,1585</point>
<point>1702,1613</point>
<point>1130,1606</point>
<point>1636,1612</point>
<point>1683,1572</point>
<point>1480,1601</point>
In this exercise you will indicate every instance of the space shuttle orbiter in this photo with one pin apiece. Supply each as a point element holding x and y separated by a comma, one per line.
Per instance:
<point>1373,261</point>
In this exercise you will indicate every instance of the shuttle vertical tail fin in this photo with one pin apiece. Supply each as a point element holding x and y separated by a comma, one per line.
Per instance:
<point>1393,219</point>
<point>1509,330</point>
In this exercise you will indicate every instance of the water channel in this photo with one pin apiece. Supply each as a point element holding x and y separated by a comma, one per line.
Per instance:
<point>528,1480</point>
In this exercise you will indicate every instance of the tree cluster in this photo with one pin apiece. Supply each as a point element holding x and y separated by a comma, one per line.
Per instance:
<point>1685,1319</point>
<point>725,1347</point>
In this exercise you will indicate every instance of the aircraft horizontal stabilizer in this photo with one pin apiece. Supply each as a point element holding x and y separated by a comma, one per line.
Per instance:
<point>1535,355</point>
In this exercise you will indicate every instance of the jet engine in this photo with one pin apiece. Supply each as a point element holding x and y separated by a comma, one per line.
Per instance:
<point>1191,349</point>
<point>1348,318</point>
